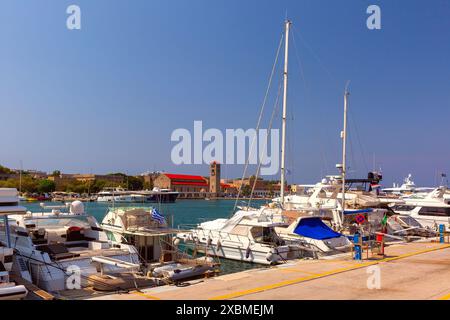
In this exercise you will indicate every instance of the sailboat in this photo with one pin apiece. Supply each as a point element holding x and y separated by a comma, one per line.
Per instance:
<point>257,235</point>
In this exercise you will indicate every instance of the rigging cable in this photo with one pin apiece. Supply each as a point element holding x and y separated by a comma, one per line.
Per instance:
<point>307,88</point>
<point>259,120</point>
<point>275,108</point>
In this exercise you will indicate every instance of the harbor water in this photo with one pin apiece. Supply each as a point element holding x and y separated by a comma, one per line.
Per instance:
<point>183,213</point>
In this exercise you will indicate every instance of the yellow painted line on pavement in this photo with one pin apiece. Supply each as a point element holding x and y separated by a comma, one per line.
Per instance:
<point>321,275</point>
<point>446,297</point>
<point>146,295</point>
<point>298,270</point>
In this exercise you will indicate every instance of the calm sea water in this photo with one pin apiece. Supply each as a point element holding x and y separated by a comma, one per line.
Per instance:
<point>182,212</point>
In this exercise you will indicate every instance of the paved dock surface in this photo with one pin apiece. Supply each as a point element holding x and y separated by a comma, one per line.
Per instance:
<point>408,271</point>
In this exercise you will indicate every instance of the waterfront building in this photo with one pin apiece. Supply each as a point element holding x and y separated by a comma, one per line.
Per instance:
<point>189,186</point>
<point>214,179</point>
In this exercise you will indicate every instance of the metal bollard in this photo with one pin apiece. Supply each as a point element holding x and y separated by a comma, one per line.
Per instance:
<point>358,247</point>
<point>442,233</point>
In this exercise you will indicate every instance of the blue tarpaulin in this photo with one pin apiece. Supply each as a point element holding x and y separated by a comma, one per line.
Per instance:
<point>314,228</point>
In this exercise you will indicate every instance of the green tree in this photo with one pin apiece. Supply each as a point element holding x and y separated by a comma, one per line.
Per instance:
<point>28,184</point>
<point>148,185</point>
<point>46,186</point>
<point>135,183</point>
<point>56,173</point>
<point>246,190</point>
<point>97,186</point>
<point>77,187</point>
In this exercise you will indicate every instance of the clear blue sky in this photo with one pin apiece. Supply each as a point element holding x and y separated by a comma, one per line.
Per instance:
<point>106,98</point>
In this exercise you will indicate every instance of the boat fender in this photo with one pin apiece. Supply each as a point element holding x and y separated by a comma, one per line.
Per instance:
<point>247,252</point>
<point>176,241</point>
<point>219,244</point>
<point>269,256</point>
<point>209,242</point>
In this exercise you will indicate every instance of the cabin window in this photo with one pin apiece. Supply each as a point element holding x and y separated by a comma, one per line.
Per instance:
<point>262,234</point>
<point>404,208</point>
<point>435,211</point>
<point>240,230</point>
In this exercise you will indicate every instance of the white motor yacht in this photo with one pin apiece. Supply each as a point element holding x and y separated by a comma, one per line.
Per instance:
<point>56,246</point>
<point>431,210</point>
<point>247,236</point>
<point>148,231</point>
<point>312,232</point>
<point>114,195</point>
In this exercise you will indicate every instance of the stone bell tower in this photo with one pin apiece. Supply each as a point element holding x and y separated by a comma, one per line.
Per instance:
<point>214,179</point>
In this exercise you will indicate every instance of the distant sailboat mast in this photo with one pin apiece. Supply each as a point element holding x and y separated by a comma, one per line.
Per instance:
<point>20,178</point>
<point>283,127</point>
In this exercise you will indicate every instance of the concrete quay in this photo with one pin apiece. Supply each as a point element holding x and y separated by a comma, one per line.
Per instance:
<point>409,271</point>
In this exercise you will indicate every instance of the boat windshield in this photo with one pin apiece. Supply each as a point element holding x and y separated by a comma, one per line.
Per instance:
<point>265,235</point>
<point>410,221</point>
<point>72,221</point>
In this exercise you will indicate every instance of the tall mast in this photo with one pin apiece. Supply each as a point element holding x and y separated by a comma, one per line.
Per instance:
<point>344,150</point>
<point>283,127</point>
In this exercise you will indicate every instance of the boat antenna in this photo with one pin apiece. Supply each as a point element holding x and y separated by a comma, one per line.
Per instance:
<point>283,126</point>
<point>344,148</point>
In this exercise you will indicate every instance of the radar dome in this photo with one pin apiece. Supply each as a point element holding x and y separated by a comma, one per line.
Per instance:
<point>77,207</point>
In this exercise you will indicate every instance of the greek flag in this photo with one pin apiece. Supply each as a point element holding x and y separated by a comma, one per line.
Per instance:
<point>158,217</point>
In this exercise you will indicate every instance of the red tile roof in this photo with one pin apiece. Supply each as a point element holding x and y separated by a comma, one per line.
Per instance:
<point>186,179</point>
<point>190,183</point>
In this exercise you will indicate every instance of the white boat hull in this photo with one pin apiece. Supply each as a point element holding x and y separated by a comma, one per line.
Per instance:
<point>261,254</point>
<point>12,292</point>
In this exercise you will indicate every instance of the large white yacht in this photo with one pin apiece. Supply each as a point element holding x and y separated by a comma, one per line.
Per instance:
<point>118,195</point>
<point>55,245</point>
<point>9,290</point>
<point>431,210</point>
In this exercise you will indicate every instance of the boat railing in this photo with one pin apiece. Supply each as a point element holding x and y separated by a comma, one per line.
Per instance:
<point>187,226</point>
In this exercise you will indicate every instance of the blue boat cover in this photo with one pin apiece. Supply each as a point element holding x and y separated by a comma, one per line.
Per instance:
<point>315,228</point>
<point>358,211</point>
